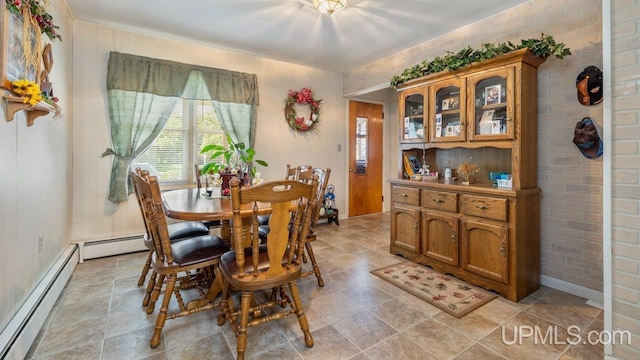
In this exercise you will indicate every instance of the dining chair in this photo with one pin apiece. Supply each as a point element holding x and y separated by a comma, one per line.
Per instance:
<point>323,181</point>
<point>290,173</point>
<point>177,231</point>
<point>272,267</point>
<point>191,263</point>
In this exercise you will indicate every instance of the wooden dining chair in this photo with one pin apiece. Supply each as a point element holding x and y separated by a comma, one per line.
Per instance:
<point>177,232</point>
<point>323,181</point>
<point>291,172</point>
<point>272,267</point>
<point>191,263</point>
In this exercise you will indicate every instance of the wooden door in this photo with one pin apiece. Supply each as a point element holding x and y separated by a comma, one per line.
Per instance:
<point>365,158</point>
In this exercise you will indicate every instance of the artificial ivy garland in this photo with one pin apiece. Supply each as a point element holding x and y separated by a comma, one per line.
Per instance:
<point>301,97</point>
<point>543,47</point>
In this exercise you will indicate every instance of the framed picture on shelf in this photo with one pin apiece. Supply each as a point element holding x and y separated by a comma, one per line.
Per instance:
<point>411,162</point>
<point>12,52</point>
<point>492,94</point>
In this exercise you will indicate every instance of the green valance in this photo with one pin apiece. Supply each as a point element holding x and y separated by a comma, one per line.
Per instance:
<point>169,78</point>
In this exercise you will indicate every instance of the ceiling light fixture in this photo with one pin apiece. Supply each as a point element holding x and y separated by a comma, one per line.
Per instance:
<point>329,6</point>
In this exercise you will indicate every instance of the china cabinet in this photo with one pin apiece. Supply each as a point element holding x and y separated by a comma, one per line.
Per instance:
<point>481,117</point>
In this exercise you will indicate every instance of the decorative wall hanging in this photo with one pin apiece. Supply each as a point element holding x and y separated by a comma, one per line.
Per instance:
<point>301,98</point>
<point>25,61</point>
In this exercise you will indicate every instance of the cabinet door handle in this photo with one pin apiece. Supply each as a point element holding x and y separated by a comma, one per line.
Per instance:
<point>438,200</point>
<point>482,207</point>
<point>503,249</point>
<point>454,236</point>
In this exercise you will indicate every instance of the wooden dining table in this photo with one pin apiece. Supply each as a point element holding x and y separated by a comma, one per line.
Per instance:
<point>193,204</point>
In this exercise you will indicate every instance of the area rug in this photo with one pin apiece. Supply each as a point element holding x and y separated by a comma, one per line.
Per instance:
<point>445,292</point>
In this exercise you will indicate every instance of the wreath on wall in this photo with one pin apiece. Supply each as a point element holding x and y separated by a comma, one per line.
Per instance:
<point>301,97</point>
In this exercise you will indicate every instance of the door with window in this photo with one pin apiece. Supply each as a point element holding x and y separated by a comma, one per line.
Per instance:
<point>174,153</point>
<point>365,158</point>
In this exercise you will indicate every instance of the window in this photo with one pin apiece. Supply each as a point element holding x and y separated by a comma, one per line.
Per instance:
<point>177,149</point>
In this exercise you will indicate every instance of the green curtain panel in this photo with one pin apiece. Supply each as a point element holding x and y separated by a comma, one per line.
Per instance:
<point>142,93</point>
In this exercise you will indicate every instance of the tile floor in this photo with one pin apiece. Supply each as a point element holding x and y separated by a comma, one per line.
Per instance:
<point>355,316</point>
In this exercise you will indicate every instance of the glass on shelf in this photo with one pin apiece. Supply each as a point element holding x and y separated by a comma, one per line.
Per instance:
<point>491,106</point>
<point>413,126</point>
<point>447,112</point>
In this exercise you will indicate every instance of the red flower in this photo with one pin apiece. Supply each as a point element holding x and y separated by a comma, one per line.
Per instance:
<point>458,295</point>
<point>439,297</point>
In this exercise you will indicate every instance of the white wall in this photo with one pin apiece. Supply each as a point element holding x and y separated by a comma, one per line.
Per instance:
<point>94,217</point>
<point>35,187</point>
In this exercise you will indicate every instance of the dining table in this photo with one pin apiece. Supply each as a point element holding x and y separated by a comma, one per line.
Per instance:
<point>195,204</point>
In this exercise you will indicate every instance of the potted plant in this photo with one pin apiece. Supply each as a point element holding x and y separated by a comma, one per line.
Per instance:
<point>236,159</point>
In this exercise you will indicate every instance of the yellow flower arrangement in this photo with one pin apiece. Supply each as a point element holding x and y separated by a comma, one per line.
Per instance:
<point>28,90</point>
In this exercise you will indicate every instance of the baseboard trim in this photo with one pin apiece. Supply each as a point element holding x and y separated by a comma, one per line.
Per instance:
<point>92,249</point>
<point>16,339</point>
<point>593,296</point>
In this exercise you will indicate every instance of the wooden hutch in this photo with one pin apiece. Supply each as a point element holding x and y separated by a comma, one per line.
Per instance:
<point>484,114</point>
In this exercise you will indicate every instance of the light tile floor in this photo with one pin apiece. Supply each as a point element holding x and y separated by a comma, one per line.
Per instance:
<point>355,315</point>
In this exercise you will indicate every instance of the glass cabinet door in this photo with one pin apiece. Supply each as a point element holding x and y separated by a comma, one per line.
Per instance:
<point>413,108</point>
<point>447,113</point>
<point>492,94</point>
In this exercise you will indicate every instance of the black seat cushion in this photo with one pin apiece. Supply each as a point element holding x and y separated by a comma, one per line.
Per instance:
<point>197,249</point>
<point>211,223</point>
<point>263,231</point>
<point>263,219</point>
<point>187,229</point>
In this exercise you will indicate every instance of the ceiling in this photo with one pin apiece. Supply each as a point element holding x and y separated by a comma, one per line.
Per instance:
<point>292,30</point>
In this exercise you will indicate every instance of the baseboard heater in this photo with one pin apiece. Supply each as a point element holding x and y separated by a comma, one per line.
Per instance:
<point>19,334</point>
<point>91,249</point>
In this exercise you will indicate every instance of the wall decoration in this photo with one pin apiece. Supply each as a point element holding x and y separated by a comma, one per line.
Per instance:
<point>23,22</point>
<point>300,98</point>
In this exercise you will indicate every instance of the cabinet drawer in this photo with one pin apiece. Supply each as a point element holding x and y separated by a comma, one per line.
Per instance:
<point>405,195</point>
<point>482,206</point>
<point>440,200</point>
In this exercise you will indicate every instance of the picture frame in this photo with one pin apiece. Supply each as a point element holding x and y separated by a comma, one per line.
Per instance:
<point>12,53</point>
<point>492,94</point>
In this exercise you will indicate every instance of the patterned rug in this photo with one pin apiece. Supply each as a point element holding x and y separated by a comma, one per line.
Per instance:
<point>445,292</point>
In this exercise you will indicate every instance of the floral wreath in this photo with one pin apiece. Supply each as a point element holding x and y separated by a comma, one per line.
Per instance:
<point>302,97</point>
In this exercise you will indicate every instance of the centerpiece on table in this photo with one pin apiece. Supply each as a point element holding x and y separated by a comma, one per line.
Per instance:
<point>234,160</point>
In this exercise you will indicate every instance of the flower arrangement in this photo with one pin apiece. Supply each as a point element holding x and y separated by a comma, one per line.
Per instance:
<point>36,10</point>
<point>28,90</point>
<point>301,97</point>
<point>31,94</point>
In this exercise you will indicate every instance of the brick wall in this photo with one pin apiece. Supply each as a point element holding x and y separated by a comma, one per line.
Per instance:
<point>625,189</point>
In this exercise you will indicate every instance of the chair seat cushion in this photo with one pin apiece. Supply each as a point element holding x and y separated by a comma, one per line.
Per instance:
<point>263,219</point>
<point>263,231</point>
<point>198,249</point>
<point>187,229</point>
<point>229,269</point>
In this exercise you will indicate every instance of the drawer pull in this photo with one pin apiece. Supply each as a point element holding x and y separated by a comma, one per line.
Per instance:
<point>482,207</point>
<point>438,200</point>
<point>404,195</point>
